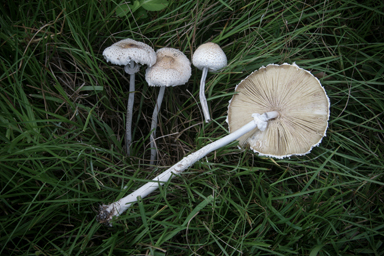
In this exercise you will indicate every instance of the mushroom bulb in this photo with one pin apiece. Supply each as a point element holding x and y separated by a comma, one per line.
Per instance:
<point>130,54</point>
<point>208,57</point>
<point>172,68</point>
<point>295,116</point>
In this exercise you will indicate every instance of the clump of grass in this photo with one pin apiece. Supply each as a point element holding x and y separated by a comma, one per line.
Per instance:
<point>62,126</point>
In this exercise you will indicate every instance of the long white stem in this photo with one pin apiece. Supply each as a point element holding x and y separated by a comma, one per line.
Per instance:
<point>203,99</point>
<point>115,209</point>
<point>154,124</point>
<point>128,121</point>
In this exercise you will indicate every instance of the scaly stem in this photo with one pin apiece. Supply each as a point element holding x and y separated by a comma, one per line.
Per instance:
<point>154,124</point>
<point>203,99</point>
<point>115,209</point>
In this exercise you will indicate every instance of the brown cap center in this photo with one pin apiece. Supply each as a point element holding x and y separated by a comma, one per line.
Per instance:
<point>129,45</point>
<point>166,62</point>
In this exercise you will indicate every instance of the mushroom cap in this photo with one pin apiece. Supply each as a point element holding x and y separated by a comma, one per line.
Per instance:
<point>297,96</point>
<point>127,50</point>
<point>209,55</point>
<point>172,68</point>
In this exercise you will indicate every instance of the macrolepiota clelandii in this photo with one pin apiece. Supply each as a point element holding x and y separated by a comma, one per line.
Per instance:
<point>278,111</point>
<point>208,57</point>
<point>131,54</point>
<point>172,68</point>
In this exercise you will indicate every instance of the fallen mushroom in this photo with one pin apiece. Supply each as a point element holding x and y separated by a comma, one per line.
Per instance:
<point>208,57</point>
<point>172,68</point>
<point>288,87</point>
<point>130,54</point>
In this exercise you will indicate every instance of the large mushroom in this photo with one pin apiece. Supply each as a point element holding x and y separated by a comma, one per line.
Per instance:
<point>299,99</point>
<point>130,54</point>
<point>295,116</point>
<point>172,68</point>
<point>208,57</point>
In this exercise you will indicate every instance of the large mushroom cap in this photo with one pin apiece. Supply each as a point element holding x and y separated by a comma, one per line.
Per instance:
<point>127,50</point>
<point>209,55</point>
<point>172,68</point>
<point>297,96</point>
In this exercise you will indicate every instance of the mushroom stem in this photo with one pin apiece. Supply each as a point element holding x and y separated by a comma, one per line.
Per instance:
<point>203,99</point>
<point>131,98</point>
<point>115,209</point>
<point>154,124</point>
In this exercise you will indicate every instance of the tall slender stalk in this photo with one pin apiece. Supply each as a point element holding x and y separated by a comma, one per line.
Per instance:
<point>131,99</point>
<point>154,124</point>
<point>203,99</point>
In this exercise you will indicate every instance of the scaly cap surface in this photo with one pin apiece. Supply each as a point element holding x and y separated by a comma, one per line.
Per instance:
<point>209,55</point>
<point>172,68</point>
<point>127,50</point>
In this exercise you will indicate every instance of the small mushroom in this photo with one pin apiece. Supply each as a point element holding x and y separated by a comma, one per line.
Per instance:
<point>172,68</point>
<point>291,97</point>
<point>208,57</point>
<point>130,54</point>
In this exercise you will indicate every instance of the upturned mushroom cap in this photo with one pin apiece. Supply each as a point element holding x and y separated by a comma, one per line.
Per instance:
<point>127,50</point>
<point>172,68</point>
<point>297,96</point>
<point>209,55</point>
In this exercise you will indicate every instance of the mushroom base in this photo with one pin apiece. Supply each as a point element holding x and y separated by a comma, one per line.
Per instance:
<point>104,215</point>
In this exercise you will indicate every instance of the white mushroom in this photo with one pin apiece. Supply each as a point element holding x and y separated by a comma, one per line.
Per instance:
<point>172,68</point>
<point>130,54</point>
<point>309,116</point>
<point>296,95</point>
<point>208,57</point>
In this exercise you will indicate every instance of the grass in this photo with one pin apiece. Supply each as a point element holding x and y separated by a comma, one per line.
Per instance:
<point>62,124</point>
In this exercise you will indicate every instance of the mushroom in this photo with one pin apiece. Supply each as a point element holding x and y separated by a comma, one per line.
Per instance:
<point>172,68</point>
<point>208,57</point>
<point>130,54</point>
<point>299,99</point>
<point>291,98</point>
